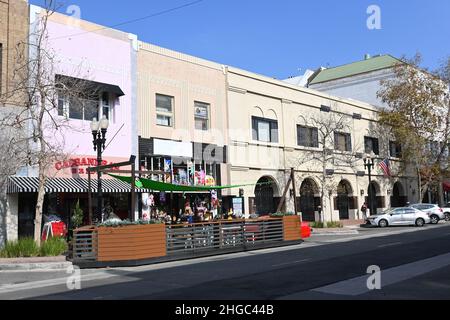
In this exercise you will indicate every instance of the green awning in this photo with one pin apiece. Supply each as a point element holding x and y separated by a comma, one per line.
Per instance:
<point>168,187</point>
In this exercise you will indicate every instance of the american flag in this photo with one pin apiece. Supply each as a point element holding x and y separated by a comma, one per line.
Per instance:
<point>386,167</point>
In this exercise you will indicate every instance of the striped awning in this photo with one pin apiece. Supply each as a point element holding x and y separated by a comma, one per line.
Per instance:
<point>67,185</point>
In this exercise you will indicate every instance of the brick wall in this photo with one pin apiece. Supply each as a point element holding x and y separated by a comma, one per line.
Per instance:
<point>14,19</point>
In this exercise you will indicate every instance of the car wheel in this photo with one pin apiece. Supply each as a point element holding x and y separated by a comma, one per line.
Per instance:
<point>420,222</point>
<point>434,219</point>
<point>447,217</point>
<point>383,223</point>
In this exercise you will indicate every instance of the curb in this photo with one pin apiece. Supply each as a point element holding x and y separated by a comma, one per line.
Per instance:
<point>340,233</point>
<point>35,266</point>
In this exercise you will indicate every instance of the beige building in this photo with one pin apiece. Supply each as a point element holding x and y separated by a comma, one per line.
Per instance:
<point>182,119</point>
<point>275,126</point>
<point>262,128</point>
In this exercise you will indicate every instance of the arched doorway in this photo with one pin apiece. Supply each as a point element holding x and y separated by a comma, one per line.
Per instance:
<point>264,196</point>
<point>308,206</point>
<point>344,192</point>
<point>372,199</point>
<point>398,198</point>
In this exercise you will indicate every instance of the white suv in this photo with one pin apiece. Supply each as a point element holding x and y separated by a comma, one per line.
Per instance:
<point>435,213</point>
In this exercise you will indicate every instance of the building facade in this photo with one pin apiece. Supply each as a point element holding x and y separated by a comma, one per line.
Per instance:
<point>13,33</point>
<point>99,60</point>
<point>281,126</point>
<point>358,80</point>
<point>13,30</point>
<point>182,121</point>
<point>194,122</point>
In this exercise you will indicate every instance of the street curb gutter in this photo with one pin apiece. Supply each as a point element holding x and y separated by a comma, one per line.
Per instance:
<point>318,232</point>
<point>35,266</point>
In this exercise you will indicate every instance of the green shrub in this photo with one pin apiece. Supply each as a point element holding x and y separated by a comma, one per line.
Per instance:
<point>334,224</point>
<point>77,218</point>
<point>317,225</point>
<point>321,225</point>
<point>117,223</point>
<point>25,248</point>
<point>281,214</point>
<point>53,247</point>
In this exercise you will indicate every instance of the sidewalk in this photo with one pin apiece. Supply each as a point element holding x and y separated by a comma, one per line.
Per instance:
<point>38,263</point>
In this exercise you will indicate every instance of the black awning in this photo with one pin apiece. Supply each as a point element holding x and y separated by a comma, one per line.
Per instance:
<point>68,185</point>
<point>96,87</point>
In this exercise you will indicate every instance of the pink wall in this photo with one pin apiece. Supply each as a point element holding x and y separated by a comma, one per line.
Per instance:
<point>103,58</point>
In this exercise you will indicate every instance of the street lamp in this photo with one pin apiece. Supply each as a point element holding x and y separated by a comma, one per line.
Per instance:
<point>369,164</point>
<point>99,133</point>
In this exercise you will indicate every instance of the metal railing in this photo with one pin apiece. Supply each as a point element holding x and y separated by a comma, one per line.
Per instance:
<point>241,234</point>
<point>85,244</point>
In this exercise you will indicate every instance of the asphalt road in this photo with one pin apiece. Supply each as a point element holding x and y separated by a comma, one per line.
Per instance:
<point>414,264</point>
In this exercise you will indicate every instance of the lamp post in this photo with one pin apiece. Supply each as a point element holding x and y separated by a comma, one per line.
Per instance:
<point>369,164</point>
<point>99,133</point>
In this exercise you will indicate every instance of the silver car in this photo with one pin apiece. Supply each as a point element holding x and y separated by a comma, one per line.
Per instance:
<point>399,217</point>
<point>446,210</point>
<point>435,213</point>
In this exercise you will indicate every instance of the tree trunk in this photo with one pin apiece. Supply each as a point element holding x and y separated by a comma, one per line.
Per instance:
<point>441,192</point>
<point>39,207</point>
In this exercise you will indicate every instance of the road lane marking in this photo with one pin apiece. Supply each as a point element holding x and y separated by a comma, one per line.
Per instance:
<point>358,286</point>
<point>390,245</point>
<point>291,263</point>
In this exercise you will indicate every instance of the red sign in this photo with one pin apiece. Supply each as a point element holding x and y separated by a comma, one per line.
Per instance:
<point>78,165</point>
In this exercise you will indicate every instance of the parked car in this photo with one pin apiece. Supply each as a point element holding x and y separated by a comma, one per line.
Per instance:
<point>435,213</point>
<point>446,210</point>
<point>398,217</point>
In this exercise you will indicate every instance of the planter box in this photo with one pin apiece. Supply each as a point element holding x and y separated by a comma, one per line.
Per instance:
<point>292,228</point>
<point>131,243</point>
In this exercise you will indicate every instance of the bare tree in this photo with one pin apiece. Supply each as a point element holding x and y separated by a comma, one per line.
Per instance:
<point>326,128</point>
<point>38,124</point>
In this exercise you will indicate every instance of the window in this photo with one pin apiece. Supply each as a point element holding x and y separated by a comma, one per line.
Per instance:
<point>308,137</point>
<point>398,212</point>
<point>342,141</point>
<point>395,149</point>
<point>324,108</point>
<point>201,116</point>
<point>265,130</point>
<point>106,106</point>
<point>75,109</point>
<point>90,109</point>
<point>164,110</point>
<point>78,109</point>
<point>61,105</point>
<point>371,145</point>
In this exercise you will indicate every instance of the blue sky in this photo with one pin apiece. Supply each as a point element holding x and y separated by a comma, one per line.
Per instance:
<point>279,38</point>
